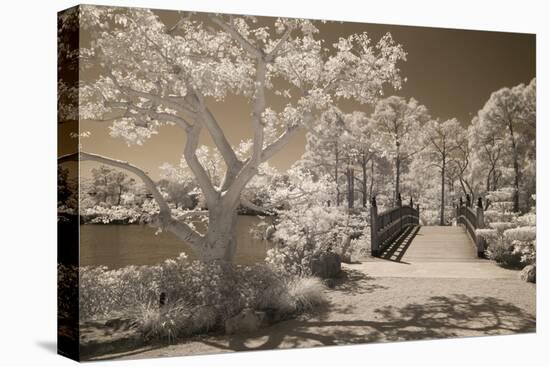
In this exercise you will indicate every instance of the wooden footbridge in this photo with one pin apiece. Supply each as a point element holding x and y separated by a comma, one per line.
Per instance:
<point>396,234</point>
<point>402,247</point>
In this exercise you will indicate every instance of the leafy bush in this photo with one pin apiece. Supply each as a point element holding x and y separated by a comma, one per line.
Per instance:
<point>198,296</point>
<point>502,226</point>
<point>303,235</point>
<point>503,253</point>
<point>513,247</point>
<point>511,238</point>
<point>492,216</point>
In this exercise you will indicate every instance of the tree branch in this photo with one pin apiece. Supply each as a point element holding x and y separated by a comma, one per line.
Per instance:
<point>189,152</point>
<point>278,144</point>
<point>250,168</point>
<point>168,102</point>
<point>182,230</point>
<point>232,162</point>
<point>246,44</point>
<point>250,205</point>
<point>274,53</point>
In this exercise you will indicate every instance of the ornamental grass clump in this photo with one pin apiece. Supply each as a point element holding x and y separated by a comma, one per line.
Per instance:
<point>307,293</point>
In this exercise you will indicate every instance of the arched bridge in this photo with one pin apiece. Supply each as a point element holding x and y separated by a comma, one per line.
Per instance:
<point>396,234</point>
<point>435,251</point>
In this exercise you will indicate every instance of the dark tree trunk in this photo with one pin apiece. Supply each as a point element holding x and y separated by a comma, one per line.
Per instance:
<point>336,174</point>
<point>119,195</point>
<point>516,167</point>
<point>371,178</point>
<point>442,216</point>
<point>496,176</point>
<point>397,178</point>
<point>364,184</point>
<point>350,174</point>
<point>488,180</point>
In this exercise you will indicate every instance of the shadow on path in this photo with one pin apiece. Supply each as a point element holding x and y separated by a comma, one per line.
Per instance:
<point>353,282</point>
<point>440,317</point>
<point>396,250</point>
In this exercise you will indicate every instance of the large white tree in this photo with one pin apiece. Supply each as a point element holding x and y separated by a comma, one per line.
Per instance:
<point>152,74</point>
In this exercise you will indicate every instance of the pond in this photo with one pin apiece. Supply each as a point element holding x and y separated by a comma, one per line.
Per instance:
<point>118,245</point>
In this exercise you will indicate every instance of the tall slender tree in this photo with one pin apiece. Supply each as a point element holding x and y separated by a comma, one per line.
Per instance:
<point>397,123</point>
<point>442,141</point>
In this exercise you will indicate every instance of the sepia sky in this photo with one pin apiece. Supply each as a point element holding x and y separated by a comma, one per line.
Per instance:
<point>452,72</point>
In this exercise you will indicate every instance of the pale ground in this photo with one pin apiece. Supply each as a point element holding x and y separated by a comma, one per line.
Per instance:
<point>438,289</point>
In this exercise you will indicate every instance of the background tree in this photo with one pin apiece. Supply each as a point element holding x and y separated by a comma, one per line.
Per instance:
<point>109,184</point>
<point>460,163</point>
<point>66,189</point>
<point>508,115</point>
<point>397,123</point>
<point>338,146</point>
<point>442,140</point>
<point>490,153</point>
<point>153,74</point>
<point>325,149</point>
<point>358,139</point>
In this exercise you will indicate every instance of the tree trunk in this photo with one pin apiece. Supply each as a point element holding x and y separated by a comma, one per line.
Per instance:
<point>516,168</point>
<point>220,240</point>
<point>442,216</point>
<point>371,187</point>
<point>397,178</point>
<point>496,176</point>
<point>364,184</point>
<point>351,187</point>
<point>461,180</point>
<point>119,194</point>
<point>488,180</point>
<point>336,174</point>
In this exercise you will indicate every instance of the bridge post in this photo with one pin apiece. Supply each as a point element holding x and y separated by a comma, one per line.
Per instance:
<point>468,201</point>
<point>480,243</point>
<point>418,213</point>
<point>374,228</point>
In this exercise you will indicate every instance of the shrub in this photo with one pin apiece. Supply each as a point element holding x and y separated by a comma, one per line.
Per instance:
<point>492,216</point>
<point>198,296</point>
<point>501,226</point>
<point>504,254</point>
<point>361,246</point>
<point>513,247</point>
<point>525,234</point>
<point>302,235</point>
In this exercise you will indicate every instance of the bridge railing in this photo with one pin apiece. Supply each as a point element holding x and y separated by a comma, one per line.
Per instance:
<point>472,219</point>
<point>389,224</point>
